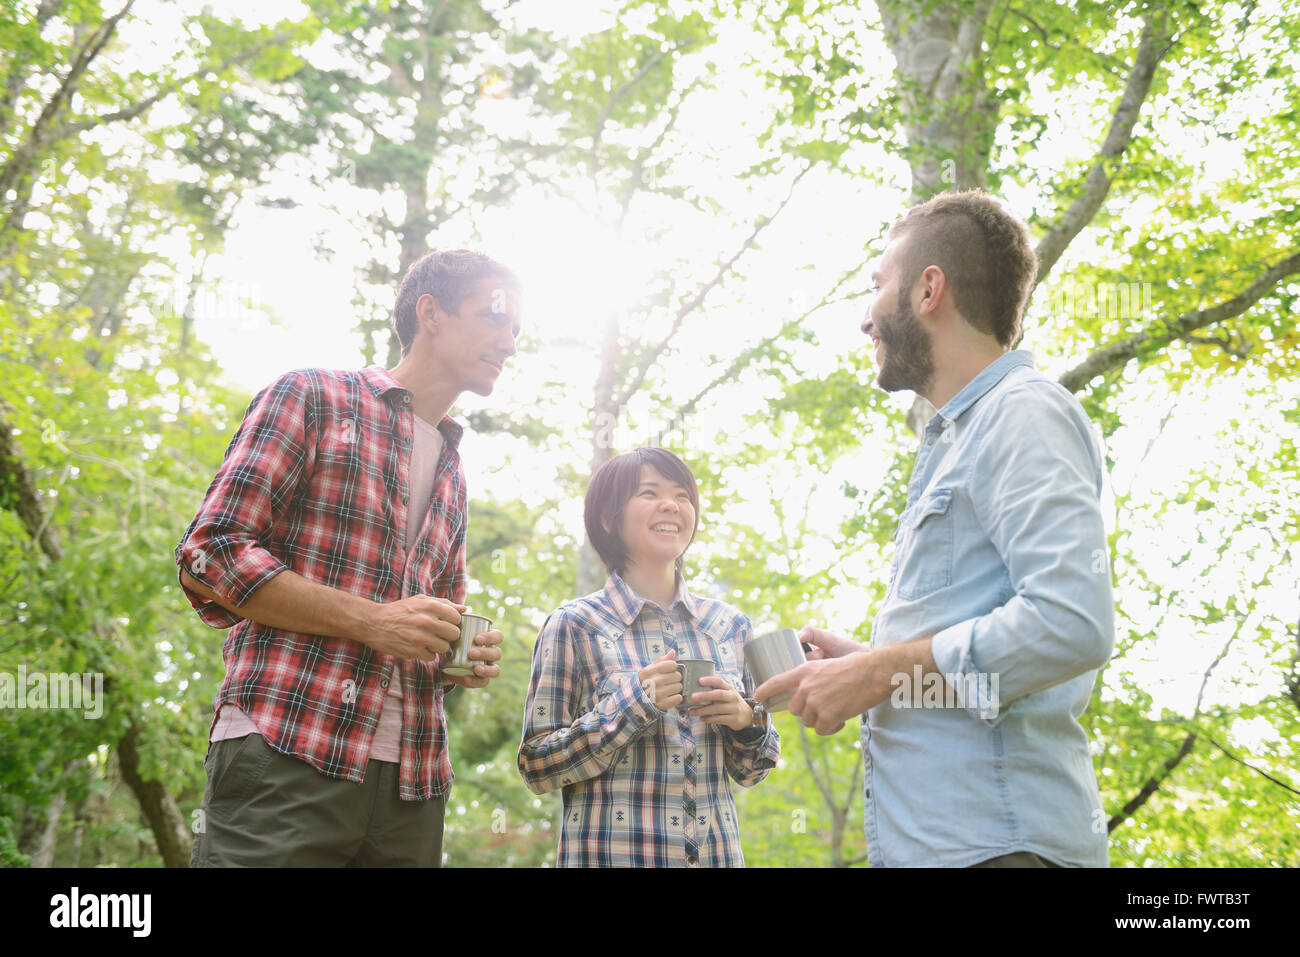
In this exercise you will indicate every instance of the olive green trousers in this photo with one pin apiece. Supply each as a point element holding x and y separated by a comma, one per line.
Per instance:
<point>265,809</point>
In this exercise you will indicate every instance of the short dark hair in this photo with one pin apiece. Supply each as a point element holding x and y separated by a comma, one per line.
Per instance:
<point>613,486</point>
<point>984,253</point>
<point>447,275</point>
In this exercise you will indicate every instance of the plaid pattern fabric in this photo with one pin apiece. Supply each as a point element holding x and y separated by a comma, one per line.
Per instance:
<point>642,787</point>
<point>316,479</point>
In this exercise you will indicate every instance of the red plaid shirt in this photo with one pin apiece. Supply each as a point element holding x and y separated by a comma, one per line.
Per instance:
<point>316,480</point>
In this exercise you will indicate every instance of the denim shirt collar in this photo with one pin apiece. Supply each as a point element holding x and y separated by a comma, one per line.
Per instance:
<point>976,388</point>
<point>627,604</point>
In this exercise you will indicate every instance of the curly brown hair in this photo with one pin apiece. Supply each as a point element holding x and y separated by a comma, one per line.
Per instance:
<point>984,253</point>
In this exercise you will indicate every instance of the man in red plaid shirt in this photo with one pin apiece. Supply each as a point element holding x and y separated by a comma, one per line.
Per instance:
<point>333,541</point>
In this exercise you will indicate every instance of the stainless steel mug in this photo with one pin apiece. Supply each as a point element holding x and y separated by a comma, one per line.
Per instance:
<point>692,670</point>
<point>458,661</point>
<point>770,655</point>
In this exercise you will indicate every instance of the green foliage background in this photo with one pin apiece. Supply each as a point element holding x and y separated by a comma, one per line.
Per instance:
<point>115,196</point>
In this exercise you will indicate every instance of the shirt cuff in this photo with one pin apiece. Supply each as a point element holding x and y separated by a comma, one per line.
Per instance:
<point>209,612</point>
<point>634,701</point>
<point>241,580</point>
<point>234,577</point>
<point>975,691</point>
<point>752,736</point>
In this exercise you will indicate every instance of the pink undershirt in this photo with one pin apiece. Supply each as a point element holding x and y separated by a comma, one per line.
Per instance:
<point>387,744</point>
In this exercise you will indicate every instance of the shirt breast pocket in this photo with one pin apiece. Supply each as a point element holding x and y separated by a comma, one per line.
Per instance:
<point>339,470</point>
<point>340,438</point>
<point>927,563</point>
<point>615,761</point>
<point>611,683</point>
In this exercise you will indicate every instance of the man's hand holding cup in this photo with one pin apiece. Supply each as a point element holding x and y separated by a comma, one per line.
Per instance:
<point>471,662</point>
<point>420,627</point>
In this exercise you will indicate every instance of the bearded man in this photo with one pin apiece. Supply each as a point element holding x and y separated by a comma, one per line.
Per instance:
<point>999,610</point>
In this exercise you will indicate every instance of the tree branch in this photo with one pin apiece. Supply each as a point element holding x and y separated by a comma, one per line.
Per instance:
<point>1223,652</point>
<point>135,109</point>
<point>853,784</point>
<point>748,356</point>
<point>437,15</point>
<point>1264,774</point>
<point>1117,353</point>
<point>22,497</point>
<point>1096,183</point>
<point>1293,678</point>
<point>622,91</point>
<point>1111,63</point>
<point>1232,345</point>
<point>22,159</point>
<point>1153,783</point>
<point>635,177</point>
<point>822,786</point>
<point>15,79</point>
<point>648,359</point>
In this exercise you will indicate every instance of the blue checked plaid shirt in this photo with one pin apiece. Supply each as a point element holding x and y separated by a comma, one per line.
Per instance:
<point>642,787</point>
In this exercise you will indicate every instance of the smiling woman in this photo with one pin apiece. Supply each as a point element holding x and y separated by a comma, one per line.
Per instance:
<point>641,511</point>
<point>642,759</point>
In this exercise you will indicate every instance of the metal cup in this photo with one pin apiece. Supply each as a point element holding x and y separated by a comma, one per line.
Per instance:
<point>458,661</point>
<point>692,670</point>
<point>773,654</point>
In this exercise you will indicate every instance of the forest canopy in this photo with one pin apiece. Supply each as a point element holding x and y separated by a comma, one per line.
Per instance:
<point>194,199</point>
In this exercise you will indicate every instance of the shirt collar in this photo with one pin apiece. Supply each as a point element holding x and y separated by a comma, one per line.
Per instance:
<point>627,604</point>
<point>381,381</point>
<point>988,377</point>
<point>382,384</point>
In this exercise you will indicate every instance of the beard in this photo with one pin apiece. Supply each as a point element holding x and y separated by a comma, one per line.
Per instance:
<point>909,353</point>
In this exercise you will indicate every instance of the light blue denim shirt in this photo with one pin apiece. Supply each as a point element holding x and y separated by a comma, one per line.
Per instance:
<point>1001,556</point>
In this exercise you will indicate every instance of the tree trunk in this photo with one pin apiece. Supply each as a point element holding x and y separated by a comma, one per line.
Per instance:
<point>160,809</point>
<point>414,237</point>
<point>948,117</point>
<point>79,818</point>
<point>23,498</point>
<point>837,838</point>
<point>30,821</point>
<point>43,853</point>
<point>605,411</point>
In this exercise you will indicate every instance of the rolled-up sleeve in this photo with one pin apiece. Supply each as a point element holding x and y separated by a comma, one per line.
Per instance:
<point>1039,504</point>
<point>225,545</point>
<point>560,747</point>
